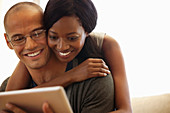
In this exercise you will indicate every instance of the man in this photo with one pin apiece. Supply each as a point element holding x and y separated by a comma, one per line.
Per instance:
<point>28,39</point>
<point>25,34</point>
<point>33,52</point>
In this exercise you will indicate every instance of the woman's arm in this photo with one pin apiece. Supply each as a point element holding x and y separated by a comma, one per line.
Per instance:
<point>113,56</point>
<point>91,67</point>
<point>20,78</point>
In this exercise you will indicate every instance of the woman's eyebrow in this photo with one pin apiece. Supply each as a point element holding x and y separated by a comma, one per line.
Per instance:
<point>71,33</point>
<point>52,32</point>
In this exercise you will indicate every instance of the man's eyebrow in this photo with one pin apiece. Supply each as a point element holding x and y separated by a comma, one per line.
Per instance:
<point>37,28</point>
<point>15,35</point>
<point>41,27</point>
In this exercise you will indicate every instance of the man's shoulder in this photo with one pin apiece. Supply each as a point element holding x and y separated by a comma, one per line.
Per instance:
<point>105,83</point>
<point>98,95</point>
<point>105,79</point>
<point>95,84</point>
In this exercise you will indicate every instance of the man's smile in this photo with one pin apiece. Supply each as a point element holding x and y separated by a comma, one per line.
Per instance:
<point>33,54</point>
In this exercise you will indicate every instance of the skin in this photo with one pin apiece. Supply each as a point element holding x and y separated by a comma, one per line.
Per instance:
<point>46,69</point>
<point>45,107</point>
<point>66,38</point>
<point>59,40</point>
<point>114,59</point>
<point>38,64</point>
<point>31,46</point>
<point>34,64</point>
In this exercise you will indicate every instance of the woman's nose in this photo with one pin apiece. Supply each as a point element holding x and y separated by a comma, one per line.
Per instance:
<point>62,45</point>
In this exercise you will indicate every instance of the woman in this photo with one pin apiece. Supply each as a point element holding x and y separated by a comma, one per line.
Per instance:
<point>86,16</point>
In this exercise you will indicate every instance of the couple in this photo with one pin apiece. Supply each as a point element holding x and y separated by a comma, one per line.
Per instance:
<point>66,24</point>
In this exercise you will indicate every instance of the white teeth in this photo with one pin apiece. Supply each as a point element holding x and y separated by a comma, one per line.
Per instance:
<point>33,54</point>
<point>64,54</point>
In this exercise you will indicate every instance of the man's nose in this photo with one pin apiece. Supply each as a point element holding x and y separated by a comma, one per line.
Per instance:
<point>30,43</point>
<point>62,45</point>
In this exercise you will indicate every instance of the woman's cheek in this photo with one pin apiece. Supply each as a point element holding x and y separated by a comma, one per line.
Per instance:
<point>50,43</point>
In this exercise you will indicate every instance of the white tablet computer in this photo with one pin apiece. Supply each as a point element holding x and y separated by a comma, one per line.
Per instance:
<point>31,100</point>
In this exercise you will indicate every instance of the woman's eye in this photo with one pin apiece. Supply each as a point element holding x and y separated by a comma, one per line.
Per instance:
<point>72,38</point>
<point>53,37</point>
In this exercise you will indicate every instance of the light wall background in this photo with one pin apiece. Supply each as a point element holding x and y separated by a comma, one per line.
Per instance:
<point>142,28</point>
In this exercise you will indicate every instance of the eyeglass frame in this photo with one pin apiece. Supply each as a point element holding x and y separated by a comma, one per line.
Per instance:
<point>30,35</point>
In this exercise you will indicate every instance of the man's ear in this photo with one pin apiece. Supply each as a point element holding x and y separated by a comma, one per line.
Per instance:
<point>8,43</point>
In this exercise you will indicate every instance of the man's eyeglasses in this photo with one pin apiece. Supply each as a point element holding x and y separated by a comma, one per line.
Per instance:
<point>20,39</point>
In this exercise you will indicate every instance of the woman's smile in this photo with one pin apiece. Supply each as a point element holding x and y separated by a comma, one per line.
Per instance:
<point>66,38</point>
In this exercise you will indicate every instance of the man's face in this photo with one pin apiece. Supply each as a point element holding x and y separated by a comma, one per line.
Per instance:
<point>34,54</point>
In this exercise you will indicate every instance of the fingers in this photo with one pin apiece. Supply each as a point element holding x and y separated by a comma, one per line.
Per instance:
<point>95,60</point>
<point>103,70</point>
<point>97,74</point>
<point>6,111</point>
<point>97,67</point>
<point>14,108</point>
<point>99,71</point>
<point>46,108</point>
<point>90,68</point>
<point>100,67</point>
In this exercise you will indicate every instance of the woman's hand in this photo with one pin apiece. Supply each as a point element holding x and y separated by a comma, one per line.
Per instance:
<point>11,108</point>
<point>91,67</point>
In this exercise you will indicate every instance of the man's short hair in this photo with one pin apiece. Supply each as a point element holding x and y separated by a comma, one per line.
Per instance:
<point>19,6</point>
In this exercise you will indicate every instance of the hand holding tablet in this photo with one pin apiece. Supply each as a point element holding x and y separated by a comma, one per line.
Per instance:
<point>31,100</point>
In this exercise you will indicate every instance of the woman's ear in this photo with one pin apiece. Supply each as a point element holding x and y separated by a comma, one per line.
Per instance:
<point>8,43</point>
<point>87,34</point>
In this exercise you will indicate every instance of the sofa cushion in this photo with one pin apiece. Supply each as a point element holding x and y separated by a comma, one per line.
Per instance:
<point>151,104</point>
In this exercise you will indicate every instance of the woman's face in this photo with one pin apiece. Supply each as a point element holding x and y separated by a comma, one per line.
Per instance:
<point>66,38</point>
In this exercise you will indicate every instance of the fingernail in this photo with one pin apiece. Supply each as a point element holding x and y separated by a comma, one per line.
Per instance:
<point>46,104</point>
<point>105,74</point>
<point>8,105</point>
